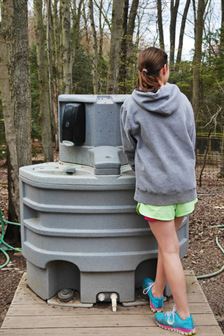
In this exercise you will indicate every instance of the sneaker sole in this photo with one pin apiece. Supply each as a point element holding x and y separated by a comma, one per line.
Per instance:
<point>182,332</point>
<point>152,307</point>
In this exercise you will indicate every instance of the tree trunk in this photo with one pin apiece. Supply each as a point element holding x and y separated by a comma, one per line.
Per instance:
<point>130,31</point>
<point>56,42</point>
<point>182,29</point>
<point>160,24</point>
<point>95,49</point>
<point>174,4</point>
<point>199,25</point>
<point>76,14</point>
<point>127,45</point>
<point>15,94</point>
<point>52,82</point>
<point>67,61</point>
<point>122,75</point>
<point>87,38</point>
<point>115,47</point>
<point>21,83</point>
<point>7,34</point>
<point>101,30</point>
<point>43,82</point>
<point>101,40</point>
<point>131,18</point>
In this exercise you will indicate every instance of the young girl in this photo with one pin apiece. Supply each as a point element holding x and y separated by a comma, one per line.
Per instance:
<point>158,135</point>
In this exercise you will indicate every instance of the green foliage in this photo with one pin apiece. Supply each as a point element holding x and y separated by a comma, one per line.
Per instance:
<point>82,74</point>
<point>182,76</point>
<point>103,69</point>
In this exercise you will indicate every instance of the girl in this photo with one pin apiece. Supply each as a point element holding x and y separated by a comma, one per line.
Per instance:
<point>158,135</point>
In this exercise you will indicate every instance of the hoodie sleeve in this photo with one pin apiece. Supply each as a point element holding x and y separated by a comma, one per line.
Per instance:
<point>128,128</point>
<point>193,134</point>
<point>192,130</point>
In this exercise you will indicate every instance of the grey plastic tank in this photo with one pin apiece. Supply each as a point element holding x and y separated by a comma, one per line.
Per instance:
<point>80,229</point>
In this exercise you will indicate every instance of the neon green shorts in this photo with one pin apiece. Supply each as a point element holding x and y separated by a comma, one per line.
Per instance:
<point>165,212</point>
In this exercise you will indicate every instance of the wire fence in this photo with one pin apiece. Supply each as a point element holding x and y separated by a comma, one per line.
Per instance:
<point>210,159</point>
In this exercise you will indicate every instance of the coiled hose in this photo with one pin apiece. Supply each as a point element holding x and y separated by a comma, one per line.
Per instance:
<point>209,275</point>
<point>5,247</point>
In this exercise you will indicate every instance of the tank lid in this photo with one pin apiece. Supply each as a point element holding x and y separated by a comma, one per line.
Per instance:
<point>99,99</point>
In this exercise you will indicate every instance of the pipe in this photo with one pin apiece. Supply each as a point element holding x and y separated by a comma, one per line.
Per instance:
<point>114,298</point>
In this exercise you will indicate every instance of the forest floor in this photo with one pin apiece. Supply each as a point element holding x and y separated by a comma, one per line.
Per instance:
<point>203,254</point>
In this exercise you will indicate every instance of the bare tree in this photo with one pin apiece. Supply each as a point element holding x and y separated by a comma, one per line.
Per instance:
<point>122,74</point>
<point>199,25</point>
<point>129,51</point>
<point>115,48</point>
<point>86,30</point>
<point>126,47</point>
<point>7,13</point>
<point>160,24</point>
<point>131,27</point>
<point>101,29</point>
<point>44,99</point>
<point>76,17</point>
<point>174,5</point>
<point>52,73</point>
<point>15,93</point>
<point>95,48</point>
<point>182,29</point>
<point>56,43</point>
<point>66,54</point>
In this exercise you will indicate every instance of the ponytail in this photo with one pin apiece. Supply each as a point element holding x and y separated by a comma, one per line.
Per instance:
<point>150,62</point>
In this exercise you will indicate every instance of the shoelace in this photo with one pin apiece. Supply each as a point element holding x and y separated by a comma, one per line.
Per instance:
<point>171,316</point>
<point>147,289</point>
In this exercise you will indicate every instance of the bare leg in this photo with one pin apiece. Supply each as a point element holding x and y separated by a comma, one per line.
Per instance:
<point>167,239</point>
<point>160,281</point>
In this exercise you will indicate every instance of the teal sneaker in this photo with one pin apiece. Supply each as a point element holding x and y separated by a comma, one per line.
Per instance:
<point>156,303</point>
<point>173,322</point>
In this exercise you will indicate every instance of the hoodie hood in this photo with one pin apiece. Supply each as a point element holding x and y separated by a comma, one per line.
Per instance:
<point>164,102</point>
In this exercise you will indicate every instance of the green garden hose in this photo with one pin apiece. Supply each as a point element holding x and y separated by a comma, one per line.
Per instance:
<point>5,247</point>
<point>209,275</point>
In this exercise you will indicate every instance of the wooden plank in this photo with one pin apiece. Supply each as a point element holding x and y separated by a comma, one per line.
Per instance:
<point>81,321</point>
<point>24,294</point>
<point>193,287</point>
<point>105,309</point>
<point>189,272</point>
<point>78,321</point>
<point>30,315</point>
<point>22,298</point>
<point>144,331</point>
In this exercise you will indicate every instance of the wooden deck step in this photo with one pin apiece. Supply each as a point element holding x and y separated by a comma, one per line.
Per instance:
<point>30,315</point>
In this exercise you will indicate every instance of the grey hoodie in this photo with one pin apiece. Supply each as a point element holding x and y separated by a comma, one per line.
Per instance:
<point>158,136</point>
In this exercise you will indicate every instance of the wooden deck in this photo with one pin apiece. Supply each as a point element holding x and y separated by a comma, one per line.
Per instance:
<point>29,315</point>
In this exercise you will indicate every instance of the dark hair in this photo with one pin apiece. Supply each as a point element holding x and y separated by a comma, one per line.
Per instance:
<point>150,62</point>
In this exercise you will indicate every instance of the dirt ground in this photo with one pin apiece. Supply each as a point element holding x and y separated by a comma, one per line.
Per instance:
<point>203,255</point>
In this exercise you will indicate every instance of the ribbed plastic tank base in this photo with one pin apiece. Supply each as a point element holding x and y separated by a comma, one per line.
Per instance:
<point>81,231</point>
